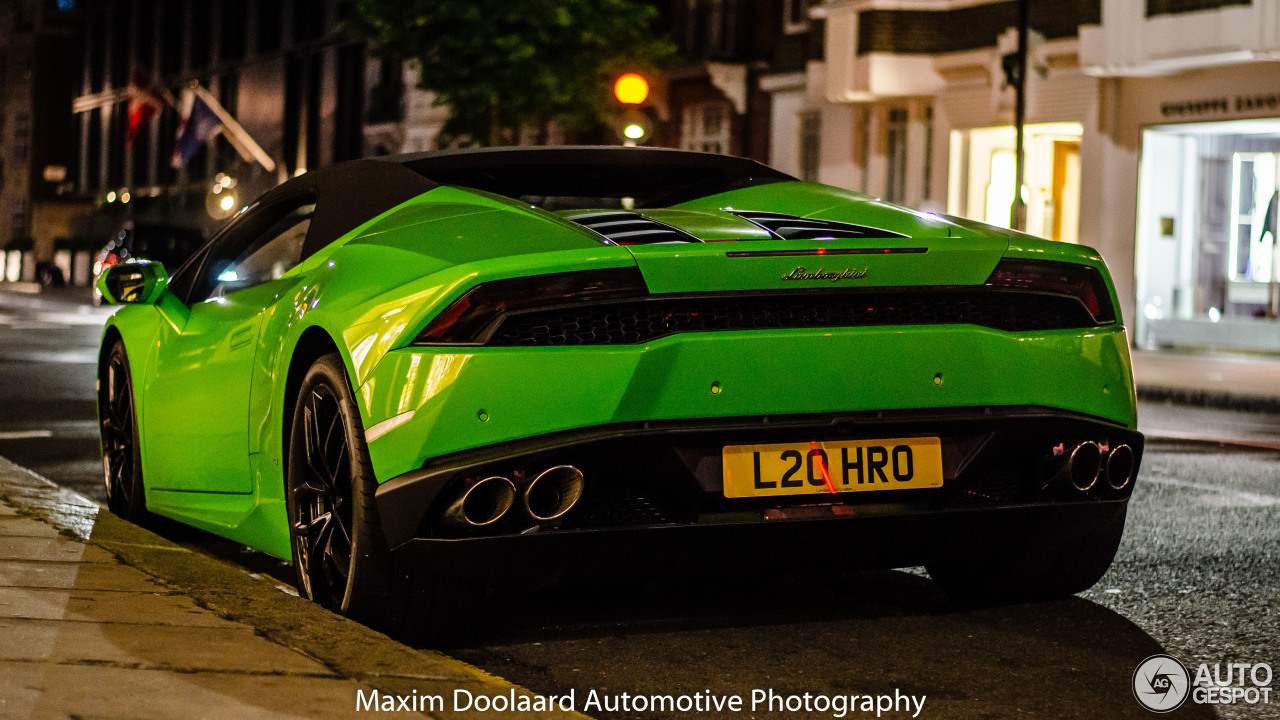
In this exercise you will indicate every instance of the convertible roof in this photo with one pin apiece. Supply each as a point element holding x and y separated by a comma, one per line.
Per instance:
<point>652,177</point>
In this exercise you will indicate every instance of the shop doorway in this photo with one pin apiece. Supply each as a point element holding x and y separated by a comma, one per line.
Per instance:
<point>1208,270</point>
<point>983,171</point>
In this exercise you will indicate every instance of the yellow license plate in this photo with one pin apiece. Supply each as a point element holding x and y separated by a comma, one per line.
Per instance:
<point>831,467</point>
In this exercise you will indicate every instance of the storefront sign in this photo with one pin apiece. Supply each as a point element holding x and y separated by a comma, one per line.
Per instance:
<point>1221,105</point>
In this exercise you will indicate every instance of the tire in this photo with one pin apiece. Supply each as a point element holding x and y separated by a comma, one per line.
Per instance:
<point>118,424</point>
<point>1051,568</point>
<point>339,552</point>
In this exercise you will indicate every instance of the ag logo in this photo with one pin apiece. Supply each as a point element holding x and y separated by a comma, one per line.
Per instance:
<point>1161,683</point>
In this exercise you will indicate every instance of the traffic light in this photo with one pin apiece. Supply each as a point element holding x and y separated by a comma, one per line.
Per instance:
<point>631,122</point>
<point>631,89</point>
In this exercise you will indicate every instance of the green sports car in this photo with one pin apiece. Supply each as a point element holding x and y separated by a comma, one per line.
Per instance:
<point>412,373</point>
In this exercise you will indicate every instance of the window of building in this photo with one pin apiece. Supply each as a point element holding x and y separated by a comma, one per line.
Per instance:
<point>1251,227</point>
<point>173,15</point>
<point>928,154</point>
<point>21,137</point>
<point>1206,255</point>
<point>115,145</point>
<point>144,34</point>
<point>795,15</point>
<point>706,127</point>
<point>234,22</point>
<point>93,148</point>
<point>270,23</point>
<point>96,50</point>
<point>201,34</point>
<point>18,218</point>
<point>810,145</point>
<point>120,44</point>
<point>710,28</point>
<point>896,151</point>
<point>229,97</point>
<point>308,21</point>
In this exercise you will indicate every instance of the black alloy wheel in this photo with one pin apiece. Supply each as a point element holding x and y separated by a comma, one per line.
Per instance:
<point>340,556</point>
<point>121,460</point>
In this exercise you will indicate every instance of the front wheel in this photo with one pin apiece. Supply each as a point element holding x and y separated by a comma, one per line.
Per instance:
<point>339,553</point>
<point>1049,568</point>
<point>118,423</point>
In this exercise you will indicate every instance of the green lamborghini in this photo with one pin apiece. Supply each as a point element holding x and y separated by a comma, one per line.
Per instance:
<point>412,373</point>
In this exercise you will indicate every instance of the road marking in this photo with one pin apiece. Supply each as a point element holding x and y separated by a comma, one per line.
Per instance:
<point>1246,499</point>
<point>73,318</point>
<point>25,434</point>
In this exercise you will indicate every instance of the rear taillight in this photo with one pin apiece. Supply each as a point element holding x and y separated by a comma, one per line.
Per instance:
<point>470,319</point>
<point>1081,282</point>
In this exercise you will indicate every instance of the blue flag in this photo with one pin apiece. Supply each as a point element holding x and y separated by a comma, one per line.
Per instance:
<point>199,123</point>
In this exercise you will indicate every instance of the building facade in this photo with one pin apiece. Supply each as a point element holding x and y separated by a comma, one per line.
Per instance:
<point>38,60</point>
<point>279,67</point>
<point>1151,134</point>
<point>1185,166</point>
<point>717,99</point>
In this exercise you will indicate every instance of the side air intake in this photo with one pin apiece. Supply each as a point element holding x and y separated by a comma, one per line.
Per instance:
<point>628,228</point>
<point>790,227</point>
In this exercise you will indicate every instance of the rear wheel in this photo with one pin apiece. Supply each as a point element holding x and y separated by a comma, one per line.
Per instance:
<point>339,553</point>
<point>121,459</point>
<point>1050,568</point>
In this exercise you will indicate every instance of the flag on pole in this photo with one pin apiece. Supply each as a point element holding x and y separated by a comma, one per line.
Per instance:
<point>199,124</point>
<point>144,102</point>
<point>204,117</point>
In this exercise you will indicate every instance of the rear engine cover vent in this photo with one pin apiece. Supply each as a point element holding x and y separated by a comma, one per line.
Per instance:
<point>790,227</point>
<point>628,228</point>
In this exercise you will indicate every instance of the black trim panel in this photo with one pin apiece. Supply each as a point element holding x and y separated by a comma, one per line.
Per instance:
<point>881,541</point>
<point>404,501</point>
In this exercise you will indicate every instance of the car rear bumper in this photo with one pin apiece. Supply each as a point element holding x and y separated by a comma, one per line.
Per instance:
<point>835,543</point>
<point>666,478</point>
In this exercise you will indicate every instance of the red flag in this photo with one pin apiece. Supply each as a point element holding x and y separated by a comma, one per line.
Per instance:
<point>144,103</point>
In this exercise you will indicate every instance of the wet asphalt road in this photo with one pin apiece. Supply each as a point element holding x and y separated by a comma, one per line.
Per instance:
<point>1196,577</point>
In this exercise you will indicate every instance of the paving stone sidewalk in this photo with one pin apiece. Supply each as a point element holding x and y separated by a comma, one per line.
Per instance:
<point>101,619</point>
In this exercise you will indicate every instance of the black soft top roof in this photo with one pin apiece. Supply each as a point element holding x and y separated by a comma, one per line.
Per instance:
<point>651,177</point>
<point>556,177</point>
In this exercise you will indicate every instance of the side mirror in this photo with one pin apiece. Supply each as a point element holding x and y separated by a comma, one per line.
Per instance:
<point>138,282</point>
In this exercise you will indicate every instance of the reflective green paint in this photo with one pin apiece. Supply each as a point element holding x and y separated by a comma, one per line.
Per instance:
<point>532,391</point>
<point>211,378</point>
<point>706,266</point>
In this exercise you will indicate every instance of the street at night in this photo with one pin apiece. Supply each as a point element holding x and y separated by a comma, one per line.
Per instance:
<point>1195,578</point>
<point>639,359</point>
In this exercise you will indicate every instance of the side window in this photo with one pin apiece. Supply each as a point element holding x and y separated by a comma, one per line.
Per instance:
<point>270,256</point>
<point>259,245</point>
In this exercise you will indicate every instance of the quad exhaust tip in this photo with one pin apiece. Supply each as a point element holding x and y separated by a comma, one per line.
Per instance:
<point>1120,467</point>
<point>482,504</point>
<point>553,493</point>
<point>1084,466</point>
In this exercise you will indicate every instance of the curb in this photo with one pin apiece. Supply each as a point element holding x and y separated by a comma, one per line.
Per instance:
<point>1209,398</point>
<point>27,288</point>
<point>348,648</point>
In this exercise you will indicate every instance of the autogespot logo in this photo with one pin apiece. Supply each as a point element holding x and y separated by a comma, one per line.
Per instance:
<point>1161,683</point>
